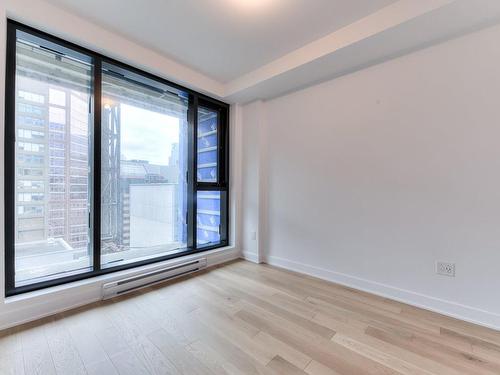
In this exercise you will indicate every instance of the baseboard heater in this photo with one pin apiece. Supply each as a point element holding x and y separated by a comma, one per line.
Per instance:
<point>119,287</point>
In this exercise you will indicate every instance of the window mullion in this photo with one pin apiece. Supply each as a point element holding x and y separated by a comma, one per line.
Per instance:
<point>192,167</point>
<point>96,168</point>
<point>10,167</point>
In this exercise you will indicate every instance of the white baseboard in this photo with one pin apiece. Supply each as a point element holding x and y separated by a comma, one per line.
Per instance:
<point>250,256</point>
<point>40,304</point>
<point>449,308</point>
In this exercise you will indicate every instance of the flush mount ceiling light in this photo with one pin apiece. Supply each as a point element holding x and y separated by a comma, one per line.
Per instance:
<point>253,5</point>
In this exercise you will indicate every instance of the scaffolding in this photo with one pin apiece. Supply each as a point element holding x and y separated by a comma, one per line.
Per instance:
<point>111,209</point>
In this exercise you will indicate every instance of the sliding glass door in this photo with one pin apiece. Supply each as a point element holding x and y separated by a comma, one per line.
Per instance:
<point>106,167</point>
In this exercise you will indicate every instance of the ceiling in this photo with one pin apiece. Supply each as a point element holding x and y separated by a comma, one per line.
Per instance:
<point>223,39</point>
<point>245,50</point>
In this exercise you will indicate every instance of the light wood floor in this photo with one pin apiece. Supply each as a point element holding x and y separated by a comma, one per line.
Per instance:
<point>243,318</point>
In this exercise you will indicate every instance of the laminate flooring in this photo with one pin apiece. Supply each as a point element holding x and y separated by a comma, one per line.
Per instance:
<point>244,318</point>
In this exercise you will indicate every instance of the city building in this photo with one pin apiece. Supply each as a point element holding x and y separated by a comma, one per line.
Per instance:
<point>52,179</point>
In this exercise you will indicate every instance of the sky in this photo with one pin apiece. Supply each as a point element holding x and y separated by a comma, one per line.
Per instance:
<point>141,127</point>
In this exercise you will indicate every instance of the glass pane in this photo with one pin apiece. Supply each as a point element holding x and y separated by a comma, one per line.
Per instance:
<point>143,168</point>
<point>207,145</point>
<point>52,162</point>
<point>208,218</point>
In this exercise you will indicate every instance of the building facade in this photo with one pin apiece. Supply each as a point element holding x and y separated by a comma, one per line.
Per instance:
<point>52,183</point>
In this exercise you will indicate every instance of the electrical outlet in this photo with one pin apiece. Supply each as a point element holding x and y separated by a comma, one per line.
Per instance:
<point>445,269</point>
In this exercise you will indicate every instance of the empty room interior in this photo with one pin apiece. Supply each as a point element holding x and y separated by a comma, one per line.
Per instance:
<point>250,187</point>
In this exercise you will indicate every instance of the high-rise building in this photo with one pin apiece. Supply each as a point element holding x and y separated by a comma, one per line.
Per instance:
<point>53,166</point>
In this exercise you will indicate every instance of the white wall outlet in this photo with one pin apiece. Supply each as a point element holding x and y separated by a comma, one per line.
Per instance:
<point>253,235</point>
<point>445,269</point>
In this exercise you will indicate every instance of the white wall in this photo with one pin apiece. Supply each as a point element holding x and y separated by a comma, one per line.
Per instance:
<point>254,178</point>
<point>48,18</point>
<point>375,176</point>
<point>250,180</point>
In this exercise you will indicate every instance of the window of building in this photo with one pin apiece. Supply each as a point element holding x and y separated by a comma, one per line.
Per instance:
<point>30,185</point>
<point>30,134</point>
<point>30,109</point>
<point>30,159</point>
<point>30,197</point>
<point>151,184</point>
<point>32,147</point>
<point>28,210</point>
<point>57,115</point>
<point>30,121</point>
<point>57,97</point>
<point>32,97</point>
<point>30,172</point>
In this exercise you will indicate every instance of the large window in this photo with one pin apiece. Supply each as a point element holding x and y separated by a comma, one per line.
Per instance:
<point>107,167</point>
<point>50,218</point>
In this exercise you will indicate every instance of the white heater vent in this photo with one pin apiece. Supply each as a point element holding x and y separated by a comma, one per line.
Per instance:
<point>119,287</point>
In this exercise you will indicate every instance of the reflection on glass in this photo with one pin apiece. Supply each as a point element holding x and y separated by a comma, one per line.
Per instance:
<point>143,168</point>
<point>52,163</point>
<point>208,218</point>
<point>207,145</point>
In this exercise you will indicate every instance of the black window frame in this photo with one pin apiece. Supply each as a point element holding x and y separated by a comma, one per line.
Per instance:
<point>222,183</point>
<point>194,100</point>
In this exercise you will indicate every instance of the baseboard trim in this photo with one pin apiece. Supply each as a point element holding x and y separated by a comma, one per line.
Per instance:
<point>250,256</point>
<point>24,309</point>
<point>449,308</point>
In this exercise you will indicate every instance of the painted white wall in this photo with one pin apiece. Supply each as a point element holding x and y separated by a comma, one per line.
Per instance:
<point>40,14</point>
<point>250,180</point>
<point>254,178</point>
<point>375,176</point>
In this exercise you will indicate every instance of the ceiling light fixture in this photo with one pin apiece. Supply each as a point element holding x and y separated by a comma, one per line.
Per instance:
<point>253,5</point>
